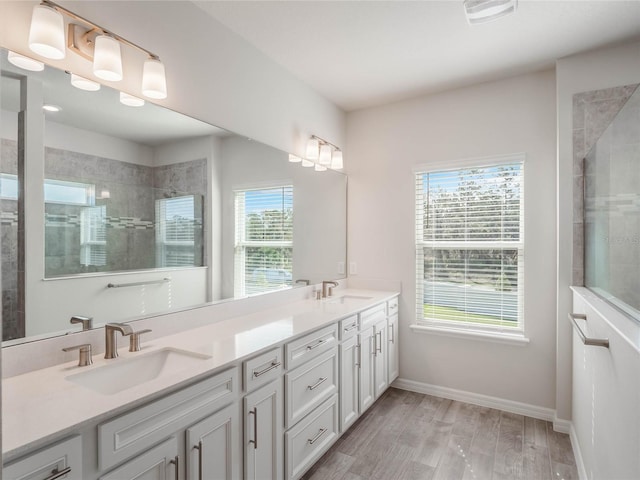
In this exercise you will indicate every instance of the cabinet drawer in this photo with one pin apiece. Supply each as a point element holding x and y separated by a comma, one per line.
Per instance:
<point>348,327</point>
<point>311,384</point>
<point>42,464</point>
<point>262,369</point>
<point>392,307</point>
<point>159,462</point>
<point>373,315</point>
<point>133,432</point>
<point>307,441</point>
<point>311,345</point>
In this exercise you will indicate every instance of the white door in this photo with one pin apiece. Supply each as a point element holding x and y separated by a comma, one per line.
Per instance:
<point>263,433</point>
<point>349,366</point>
<point>159,463</point>
<point>367,381</point>
<point>392,348</point>
<point>380,355</point>
<point>213,446</point>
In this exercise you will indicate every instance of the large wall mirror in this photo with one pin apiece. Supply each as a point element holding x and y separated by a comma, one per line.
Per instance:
<point>118,212</point>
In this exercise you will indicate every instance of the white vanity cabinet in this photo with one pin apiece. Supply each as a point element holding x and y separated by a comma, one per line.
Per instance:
<point>159,463</point>
<point>393,363</point>
<point>263,433</point>
<point>62,460</point>
<point>349,381</point>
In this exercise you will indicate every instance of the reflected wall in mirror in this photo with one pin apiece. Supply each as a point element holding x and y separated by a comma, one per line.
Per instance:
<point>175,212</point>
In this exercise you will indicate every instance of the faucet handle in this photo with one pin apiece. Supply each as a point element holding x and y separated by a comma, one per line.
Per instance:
<point>134,340</point>
<point>85,353</point>
<point>87,322</point>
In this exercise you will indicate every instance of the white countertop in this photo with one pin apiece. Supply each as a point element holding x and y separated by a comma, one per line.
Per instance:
<point>40,406</point>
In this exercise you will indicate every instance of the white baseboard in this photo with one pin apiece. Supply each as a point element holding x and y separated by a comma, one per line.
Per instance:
<point>562,426</point>
<point>510,406</point>
<point>582,471</point>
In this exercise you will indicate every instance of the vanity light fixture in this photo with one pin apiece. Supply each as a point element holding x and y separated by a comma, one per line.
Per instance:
<point>320,168</point>
<point>25,63</point>
<point>294,158</point>
<point>326,153</point>
<point>84,83</point>
<point>307,163</point>
<point>91,41</point>
<point>483,11</point>
<point>130,100</point>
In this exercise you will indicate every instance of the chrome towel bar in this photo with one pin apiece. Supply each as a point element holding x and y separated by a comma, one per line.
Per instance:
<point>596,342</point>
<point>136,284</point>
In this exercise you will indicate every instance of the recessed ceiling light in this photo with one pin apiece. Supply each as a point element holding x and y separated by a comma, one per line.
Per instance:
<point>51,108</point>
<point>483,11</point>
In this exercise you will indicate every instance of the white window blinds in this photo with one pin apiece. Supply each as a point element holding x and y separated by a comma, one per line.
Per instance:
<point>93,235</point>
<point>470,247</point>
<point>176,231</point>
<point>264,239</point>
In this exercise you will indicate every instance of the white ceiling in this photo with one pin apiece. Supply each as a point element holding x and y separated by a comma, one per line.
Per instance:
<point>365,53</point>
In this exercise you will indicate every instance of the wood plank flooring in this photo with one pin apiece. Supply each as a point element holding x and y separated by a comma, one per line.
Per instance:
<point>411,436</point>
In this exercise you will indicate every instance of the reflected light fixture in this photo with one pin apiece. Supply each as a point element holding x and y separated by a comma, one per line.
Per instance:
<point>92,42</point>
<point>46,34</point>
<point>130,100</point>
<point>51,108</point>
<point>25,63</point>
<point>483,11</point>
<point>84,83</point>
<point>307,163</point>
<point>327,155</point>
<point>320,168</point>
<point>294,158</point>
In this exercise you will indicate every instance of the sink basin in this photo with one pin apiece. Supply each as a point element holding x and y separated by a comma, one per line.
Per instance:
<point>347,298</point>
<point>123,374</point>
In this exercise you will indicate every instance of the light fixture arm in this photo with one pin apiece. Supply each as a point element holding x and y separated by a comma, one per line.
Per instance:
<point>322,141</point>
<point>94,26</point>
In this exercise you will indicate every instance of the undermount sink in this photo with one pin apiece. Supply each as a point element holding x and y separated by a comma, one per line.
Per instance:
<point>347,298</point>
<point>125,373</point>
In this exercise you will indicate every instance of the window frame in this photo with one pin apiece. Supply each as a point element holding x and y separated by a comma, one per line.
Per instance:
<point>466,327</point>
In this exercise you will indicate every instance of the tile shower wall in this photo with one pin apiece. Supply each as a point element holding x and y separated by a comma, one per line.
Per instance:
<point>592,113</point>
<point>12,320</point>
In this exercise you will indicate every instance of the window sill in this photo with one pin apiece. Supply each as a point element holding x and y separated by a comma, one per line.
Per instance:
<point>506,338</point>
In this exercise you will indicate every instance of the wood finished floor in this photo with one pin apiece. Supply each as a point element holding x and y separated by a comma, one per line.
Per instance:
<point>411,436</point>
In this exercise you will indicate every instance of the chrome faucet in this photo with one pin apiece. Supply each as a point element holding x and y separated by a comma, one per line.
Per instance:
<point>327,290</point>
<point>87,322</point>
<point>110,339</point>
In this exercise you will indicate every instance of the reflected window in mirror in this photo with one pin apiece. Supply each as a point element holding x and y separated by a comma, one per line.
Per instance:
<point>264,240</point>
<point>179,225</point>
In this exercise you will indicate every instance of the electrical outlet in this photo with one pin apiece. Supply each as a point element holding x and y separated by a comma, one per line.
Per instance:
<point>353,268</point>
<point>340,268</point>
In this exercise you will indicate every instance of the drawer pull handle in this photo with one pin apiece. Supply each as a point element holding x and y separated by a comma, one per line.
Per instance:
<point>313,440</point>
<point>199,448</point>
<point>274,364</point>
<point>379,343</point>
<point>320,342</point>
<point>318,383</point>
<point>58,474</point>
<point>596,342</point>
<point>357,364</point>
<point>176,462</point>
<point>393,334</point>
<point>254,412</point>
<point>351,327</point>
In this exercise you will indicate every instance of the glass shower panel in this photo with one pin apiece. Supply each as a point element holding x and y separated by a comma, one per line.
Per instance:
<point>612,211</point>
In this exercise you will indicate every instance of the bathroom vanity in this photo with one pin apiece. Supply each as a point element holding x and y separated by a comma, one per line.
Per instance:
<point>262,395</point>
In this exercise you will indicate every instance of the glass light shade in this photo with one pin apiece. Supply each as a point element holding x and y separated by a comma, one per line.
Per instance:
<point>325,155</point>
<point>313,148</point>
<point>107,61</point>
<point>307,163</point>
<point>483,11</point>
<point>46,34</point>
<point>84,83</point>
<point>320,168</point>
<point>130,100</point>
<point>25,63</point>
<point>294,158</point>
<point>51,108</point>
<point>336,160</point>
<point>154,82</point>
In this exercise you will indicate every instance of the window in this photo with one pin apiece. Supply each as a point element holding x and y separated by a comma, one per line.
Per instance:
<point>93,236</point>
<point>264,240</point>
<point>470,247</point>
<point>176,232</point>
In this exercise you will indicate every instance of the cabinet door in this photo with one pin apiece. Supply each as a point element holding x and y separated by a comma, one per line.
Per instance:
<point>349,366</point>
<point>49,463</point>
<point>263,439</point>
<point>392,348</point>
<point>159,463</point>
<point>366,379</point>
<point>380,355</point>
<point>213,446</point>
